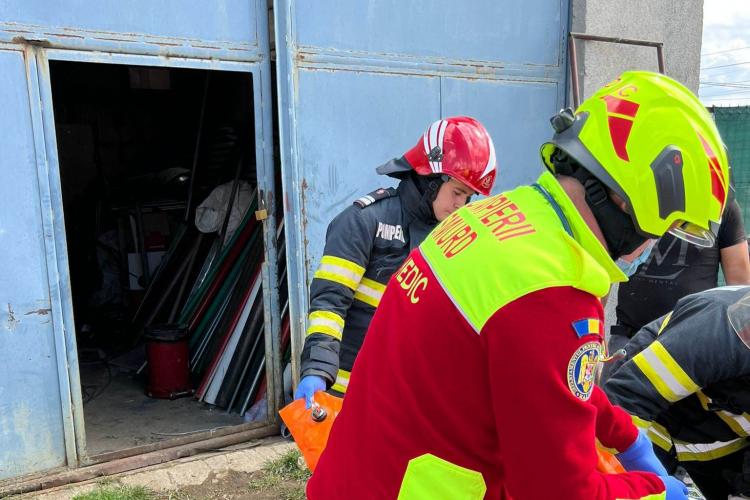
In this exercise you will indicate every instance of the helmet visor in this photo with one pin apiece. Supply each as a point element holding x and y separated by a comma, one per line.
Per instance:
<point>695,234</point>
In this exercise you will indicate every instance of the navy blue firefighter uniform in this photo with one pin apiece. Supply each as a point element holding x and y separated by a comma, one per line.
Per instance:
<point>365,245</point>
<point>686,380</point>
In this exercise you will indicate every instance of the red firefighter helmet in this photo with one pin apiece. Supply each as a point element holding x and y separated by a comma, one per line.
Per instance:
<point>459,147</point>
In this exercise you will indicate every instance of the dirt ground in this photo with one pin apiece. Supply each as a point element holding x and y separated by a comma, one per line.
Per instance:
<point>281,479</point>
<point>237,486</point>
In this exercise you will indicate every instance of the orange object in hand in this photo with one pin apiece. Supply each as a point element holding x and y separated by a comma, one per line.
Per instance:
<point>607,463</point>
<point>310,426</point>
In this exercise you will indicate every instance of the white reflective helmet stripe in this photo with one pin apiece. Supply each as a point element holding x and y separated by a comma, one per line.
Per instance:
<point>491,161</point>
<point>432,142</point>
<point>434,137</point>
<point>441,133</point>
<point>426,144</point>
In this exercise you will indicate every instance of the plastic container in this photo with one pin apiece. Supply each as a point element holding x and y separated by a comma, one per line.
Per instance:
<point>168,362</point>
<point>310,427</point>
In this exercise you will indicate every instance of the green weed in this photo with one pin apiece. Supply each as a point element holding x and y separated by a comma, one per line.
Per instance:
<point>110,491</point>
<point>282,470</point>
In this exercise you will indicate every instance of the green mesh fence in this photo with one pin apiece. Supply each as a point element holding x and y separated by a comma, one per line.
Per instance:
<point>734,126</point>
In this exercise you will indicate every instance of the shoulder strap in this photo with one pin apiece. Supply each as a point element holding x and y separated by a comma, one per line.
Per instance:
<point>555,207</point>
<point>377,195</point>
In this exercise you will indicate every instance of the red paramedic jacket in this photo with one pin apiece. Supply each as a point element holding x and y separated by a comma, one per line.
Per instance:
<point>434,407</point>
<point>497,403</point>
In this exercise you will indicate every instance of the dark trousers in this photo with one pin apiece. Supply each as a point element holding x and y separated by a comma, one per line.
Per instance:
<point>716,479</point>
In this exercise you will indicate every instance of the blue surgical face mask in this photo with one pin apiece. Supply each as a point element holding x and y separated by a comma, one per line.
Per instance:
<point>629,268</point>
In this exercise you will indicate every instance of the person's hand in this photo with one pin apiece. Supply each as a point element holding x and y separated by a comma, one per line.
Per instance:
<point>640,457</point>
<point>307,388</point>
<point>676,489</point>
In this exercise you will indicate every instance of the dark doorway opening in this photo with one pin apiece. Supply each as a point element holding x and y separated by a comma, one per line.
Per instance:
<point>159,183</point>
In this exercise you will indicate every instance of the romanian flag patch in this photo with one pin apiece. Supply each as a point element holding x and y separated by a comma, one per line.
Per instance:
<point>588,326</point>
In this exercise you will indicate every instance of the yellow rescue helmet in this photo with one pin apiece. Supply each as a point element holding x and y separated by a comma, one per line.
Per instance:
<point>647,138</point>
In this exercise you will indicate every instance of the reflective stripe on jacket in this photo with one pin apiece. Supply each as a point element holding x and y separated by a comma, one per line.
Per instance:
<point>686,379</point>
<point>365,244</point>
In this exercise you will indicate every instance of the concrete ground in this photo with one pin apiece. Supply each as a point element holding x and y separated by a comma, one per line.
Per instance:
<point>122,416</point>
<point>201,473</point>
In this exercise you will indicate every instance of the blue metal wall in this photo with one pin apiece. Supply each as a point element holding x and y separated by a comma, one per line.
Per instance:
<point>359,82</point>
<point>228,30</point>
<point>41,414</point>
<point>31,419</point>
<point>217,20</point>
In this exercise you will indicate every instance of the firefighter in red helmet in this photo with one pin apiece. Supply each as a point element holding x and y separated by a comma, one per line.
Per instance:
<point>369,240</point>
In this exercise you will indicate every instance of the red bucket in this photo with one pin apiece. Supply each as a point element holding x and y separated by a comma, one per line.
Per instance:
<point>168,362</point>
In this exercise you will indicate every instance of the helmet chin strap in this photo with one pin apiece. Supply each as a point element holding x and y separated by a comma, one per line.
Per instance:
<point>617,227</point>
<point>428,187</point>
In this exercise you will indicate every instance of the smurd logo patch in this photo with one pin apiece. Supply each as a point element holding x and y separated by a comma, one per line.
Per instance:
<point>581,369</point>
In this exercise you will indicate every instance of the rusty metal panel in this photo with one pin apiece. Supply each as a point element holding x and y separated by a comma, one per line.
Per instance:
<point>217,20</point>
<point>226,30</point>
<point>32,426</point>
<point>509,31</point>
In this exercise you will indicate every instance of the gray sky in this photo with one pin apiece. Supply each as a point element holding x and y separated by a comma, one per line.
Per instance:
<point>726,41</point>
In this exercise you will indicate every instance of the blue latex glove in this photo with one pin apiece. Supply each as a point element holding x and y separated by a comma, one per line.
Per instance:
<point>640,457</point>
<point>676,489</point>
<point>308,386</point>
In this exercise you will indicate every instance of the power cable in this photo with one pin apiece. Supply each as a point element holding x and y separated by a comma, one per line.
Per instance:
<point>728,73</point>
<point>724,51</point>
<point>725,88</point>
<point>739,84</point>
<point>726,65</point>
<point>709,99</point>
<point>724,94</point>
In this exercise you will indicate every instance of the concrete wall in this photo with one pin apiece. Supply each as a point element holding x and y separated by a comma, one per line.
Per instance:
<point>676,23</point>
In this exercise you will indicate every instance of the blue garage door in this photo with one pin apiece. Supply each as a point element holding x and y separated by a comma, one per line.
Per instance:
<point>359,81</point>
